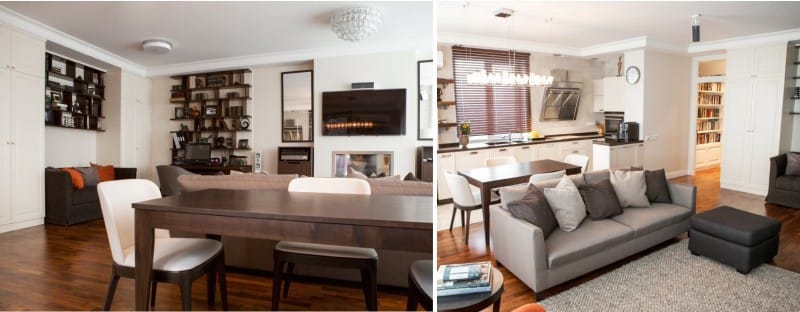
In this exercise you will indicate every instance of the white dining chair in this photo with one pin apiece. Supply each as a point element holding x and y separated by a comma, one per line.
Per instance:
<point>465,199</point>
<point>291,253</point>
<point>175,260</point>
<point>577,160</point>
<point>500,160</point>
<point>539,177</point>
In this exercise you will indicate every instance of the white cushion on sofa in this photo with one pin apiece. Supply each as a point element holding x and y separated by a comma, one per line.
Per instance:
<point>630,187</point>
<point>567,204</point>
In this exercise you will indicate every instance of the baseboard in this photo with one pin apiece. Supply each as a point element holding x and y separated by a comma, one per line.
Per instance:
<point>677,173</point>
<point>752,189</point>
<point>21,225</point>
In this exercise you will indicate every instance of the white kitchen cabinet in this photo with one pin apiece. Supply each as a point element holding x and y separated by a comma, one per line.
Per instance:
<point>617,157</point>
<point>526,153</point>
<point>609,94</point>
<point>707,155</point>
<point>471,159</point>
<point>22,132</point>
<point>444,162</point>
<point>754,96</point>
<point>582,147</point>
<point>502,152</point>
<point>549,151</point>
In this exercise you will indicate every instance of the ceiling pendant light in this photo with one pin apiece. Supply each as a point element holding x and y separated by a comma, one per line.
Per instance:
<point>696,27</point>
<point>157,46</point>
<point>354,24</point>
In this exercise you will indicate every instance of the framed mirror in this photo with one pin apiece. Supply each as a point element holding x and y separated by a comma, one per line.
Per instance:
<point>426,100</point>
<point>297,106</point>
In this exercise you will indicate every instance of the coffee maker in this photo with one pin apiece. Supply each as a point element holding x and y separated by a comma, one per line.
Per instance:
<point>628,131</point>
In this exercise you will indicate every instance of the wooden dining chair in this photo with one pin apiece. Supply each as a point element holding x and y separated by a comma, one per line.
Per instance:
<point>287,254</point>
<point>539,177</point>
<point>420,285</point>
<point>175,260</point>
<point>465,199</point>
<point>577,160</point>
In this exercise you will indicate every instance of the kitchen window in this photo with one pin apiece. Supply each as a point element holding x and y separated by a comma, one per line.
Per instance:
<point>491,109</point>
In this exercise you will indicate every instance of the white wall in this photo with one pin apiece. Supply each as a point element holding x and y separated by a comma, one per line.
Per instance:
<point>69,147</point>
<point>135,124</point>
<point>388,70</point>
<point>109,141</point>
<point>635,94</point>
<point>666,111</point>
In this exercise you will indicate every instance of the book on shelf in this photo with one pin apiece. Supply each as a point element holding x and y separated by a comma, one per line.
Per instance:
<point>464,278</point>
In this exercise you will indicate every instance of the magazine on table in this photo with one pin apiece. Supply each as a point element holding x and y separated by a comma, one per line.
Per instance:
<point>464,278</point>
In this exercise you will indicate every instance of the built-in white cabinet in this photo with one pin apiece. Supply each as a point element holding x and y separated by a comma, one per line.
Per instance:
<point>754,97</point>
<point>617,157</point>
<point>526,153</point>
<point>549,151</point>
<point>502,152</point>
<point>444,162</point>
<point>22,131</point>
<point>609,94</point>
<point>471,159</point>
<point>707,155</point>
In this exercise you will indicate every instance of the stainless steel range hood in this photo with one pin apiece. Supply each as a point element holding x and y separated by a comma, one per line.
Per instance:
<point>561,98</point>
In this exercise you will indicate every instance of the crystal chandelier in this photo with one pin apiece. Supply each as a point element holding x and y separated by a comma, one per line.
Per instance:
<point>354,24</point>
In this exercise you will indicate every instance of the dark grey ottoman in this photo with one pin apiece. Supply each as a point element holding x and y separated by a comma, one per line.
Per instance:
<point>734,237</point>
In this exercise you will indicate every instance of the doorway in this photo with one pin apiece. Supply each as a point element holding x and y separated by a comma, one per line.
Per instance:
<point>708,101</point>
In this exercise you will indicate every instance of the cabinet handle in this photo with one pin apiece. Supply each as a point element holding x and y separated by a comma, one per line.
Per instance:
<point>575,143</point>
<point>526,147</point>
<point>446,156</point>
<point>473,153</point>
<point>502,150</point>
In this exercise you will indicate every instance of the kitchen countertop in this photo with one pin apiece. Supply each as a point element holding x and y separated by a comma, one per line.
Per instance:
<point>615,142</point>
<point>455,147</point>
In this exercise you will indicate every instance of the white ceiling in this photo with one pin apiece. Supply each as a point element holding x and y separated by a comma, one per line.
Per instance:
<point>577,25</point>
<point>202,31</point>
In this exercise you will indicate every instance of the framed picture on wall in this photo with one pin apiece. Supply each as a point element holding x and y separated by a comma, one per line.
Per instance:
<point>242,143</point>
<point>180,113</point>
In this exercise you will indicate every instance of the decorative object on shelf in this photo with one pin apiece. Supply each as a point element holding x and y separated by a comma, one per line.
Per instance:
<point>199,96</point>
<point>355,24</point>
<point>211,111</point>
<point>177,87</point>
<point>464,129</point>
<point>184,128</point>
<point>214,161</point>
<point>216,81</point>
<point>235,111</point>
<point>179,112</point>
<point>244,123</point>
<point>632,75</point>
<point>242,143</point>
<point>219,142</point>
<point>194,113</point>
<point>439,93</point>
<point>198,83</point>
<point>619,66</point>
<point>223,125</point>
<point>55,96</point>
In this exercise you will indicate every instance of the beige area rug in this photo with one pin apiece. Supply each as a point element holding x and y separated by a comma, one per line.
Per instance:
<point>672,279</point>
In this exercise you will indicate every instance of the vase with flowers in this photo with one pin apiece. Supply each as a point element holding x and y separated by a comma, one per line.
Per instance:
<point>464,129</point>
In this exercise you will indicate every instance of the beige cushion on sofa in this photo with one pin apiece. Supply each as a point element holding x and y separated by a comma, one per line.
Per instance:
<point>191,183</point>
<point>395,187</point>
<point>567,204</point>
<point>630,187</point>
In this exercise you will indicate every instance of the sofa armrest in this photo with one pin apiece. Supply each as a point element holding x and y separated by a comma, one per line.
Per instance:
<point>520,247</point>
<point>57,195</point>
<point>124,173</point>
<point>777,167</point>
<point>684,195</point>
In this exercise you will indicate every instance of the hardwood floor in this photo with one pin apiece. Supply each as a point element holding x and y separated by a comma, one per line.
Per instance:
<point>52,267</point>
<point>451,247</point>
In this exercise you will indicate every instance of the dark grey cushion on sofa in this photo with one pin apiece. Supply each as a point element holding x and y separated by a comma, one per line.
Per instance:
<point>533,208</point>
<point>793,164</point>
<point>600,199</point>
<point>784,189</point>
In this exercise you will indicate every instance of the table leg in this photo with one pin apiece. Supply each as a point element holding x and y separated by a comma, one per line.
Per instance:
<point>145,237</point>
<point>486,199</point>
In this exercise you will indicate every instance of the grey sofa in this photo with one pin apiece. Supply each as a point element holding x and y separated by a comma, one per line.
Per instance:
<point>541,264</point>
<point>65,205</point>
<point>784,189</point>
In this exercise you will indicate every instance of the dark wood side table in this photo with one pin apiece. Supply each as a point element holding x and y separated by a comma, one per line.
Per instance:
<point>474,302</point>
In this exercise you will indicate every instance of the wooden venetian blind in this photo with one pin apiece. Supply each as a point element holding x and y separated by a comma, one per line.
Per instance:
<point>491,109</point>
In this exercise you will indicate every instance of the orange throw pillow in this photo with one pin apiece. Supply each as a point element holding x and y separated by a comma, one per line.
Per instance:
<point>104,173</point>
<point>77,178</point>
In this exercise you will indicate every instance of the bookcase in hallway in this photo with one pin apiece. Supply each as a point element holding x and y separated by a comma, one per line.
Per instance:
<point>710,103</point>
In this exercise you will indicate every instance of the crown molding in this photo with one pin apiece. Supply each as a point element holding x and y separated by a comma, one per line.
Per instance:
<point>782,36</point>
<point>479,41</point>
<point>43,31</point>
<point>615,46</point>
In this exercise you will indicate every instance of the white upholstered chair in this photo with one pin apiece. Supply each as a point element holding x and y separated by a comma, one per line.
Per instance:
<point>547,176</point>
<point>291,253</point>
<point>465,198</point>
<point>499,161</point>
<point>175,260</point>
<point>577,160</point>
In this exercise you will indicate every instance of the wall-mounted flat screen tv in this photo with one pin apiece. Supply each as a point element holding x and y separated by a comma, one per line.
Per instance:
<point>364,112</point>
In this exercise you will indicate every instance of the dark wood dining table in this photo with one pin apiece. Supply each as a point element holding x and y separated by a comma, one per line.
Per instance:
<point>489,178</point>
<point>376,221</point>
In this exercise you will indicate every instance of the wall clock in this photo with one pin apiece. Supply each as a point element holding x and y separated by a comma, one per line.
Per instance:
<point>632,75</point>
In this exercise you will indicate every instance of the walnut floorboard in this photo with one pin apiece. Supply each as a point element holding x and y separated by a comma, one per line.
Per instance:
<point>51,267</point>
<point>451,247</point>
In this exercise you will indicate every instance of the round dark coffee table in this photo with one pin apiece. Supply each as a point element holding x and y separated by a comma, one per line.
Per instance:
<point>476,301</point>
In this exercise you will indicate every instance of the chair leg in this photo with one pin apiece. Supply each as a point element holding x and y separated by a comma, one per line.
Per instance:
<point>287,278</point>
<point>276,281</point>
<point>211,286</point>
<point>223,283</point>
<point>153,288</point>
<point>112,287</point>
<point>462,220</point>
<point>369,278</point>
<point>186,293</point>
<point>452,218</point>
<point>466,227</point>
<point>411,302</point>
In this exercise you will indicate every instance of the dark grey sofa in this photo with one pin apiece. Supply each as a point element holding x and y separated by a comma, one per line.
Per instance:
<point>784,189</point>
<point>541,264</point>
<point>65,205</point>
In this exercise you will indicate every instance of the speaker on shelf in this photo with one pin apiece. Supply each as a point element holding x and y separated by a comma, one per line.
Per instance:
<point>363,85</point>
<point>257,166</point>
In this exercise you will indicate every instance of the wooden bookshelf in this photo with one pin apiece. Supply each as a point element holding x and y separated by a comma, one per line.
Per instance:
<point>74,94</point>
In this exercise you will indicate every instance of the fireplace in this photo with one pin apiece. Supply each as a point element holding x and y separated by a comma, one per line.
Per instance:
<point>371,164</point>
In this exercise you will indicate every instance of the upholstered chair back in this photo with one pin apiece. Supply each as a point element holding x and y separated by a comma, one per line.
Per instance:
<point>577,160</point>
<point>547,176</point>
<point>330,185</point>
<point>459,188</point>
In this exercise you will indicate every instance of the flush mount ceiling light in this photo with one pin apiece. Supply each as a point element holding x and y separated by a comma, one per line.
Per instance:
<point>354,24</point>
<point>157,46</point>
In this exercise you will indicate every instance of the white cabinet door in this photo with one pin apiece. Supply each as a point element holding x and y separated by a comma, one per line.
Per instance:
<point>444,162</point>
<point>526,153</point>
<point>638,151</point>
<point>769,60</point>
<point>764,129</point>
<point>601,157</point>
<point>502,152</point>
<point>550,151</point>
<point>614,94</point>
<point>713,154</point>
<point>5,48</point>
<point>623,156</point>
<point>27,54</point>
<point>471,159</point>
<point>27,148</point>
<point>736,145</point>
<point>597,93</point>
<point>5,147</point>
<point>739,64</point>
